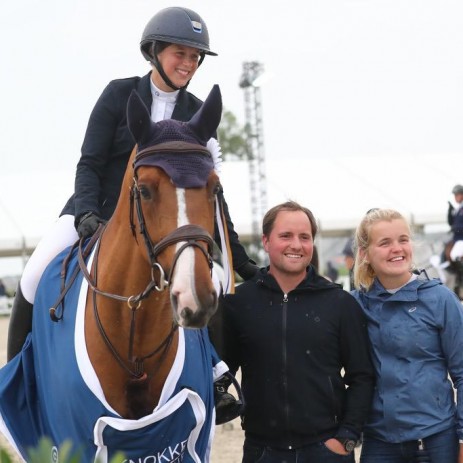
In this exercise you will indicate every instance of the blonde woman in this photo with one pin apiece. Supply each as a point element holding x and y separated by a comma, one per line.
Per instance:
<point>416,330</point>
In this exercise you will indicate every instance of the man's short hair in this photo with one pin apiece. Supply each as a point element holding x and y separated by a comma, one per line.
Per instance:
<point>292,206</point>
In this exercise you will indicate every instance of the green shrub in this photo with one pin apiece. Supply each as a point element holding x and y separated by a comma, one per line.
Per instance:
<point>43,452</point>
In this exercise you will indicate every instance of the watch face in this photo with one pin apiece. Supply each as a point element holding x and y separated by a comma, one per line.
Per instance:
<point>349,445</point>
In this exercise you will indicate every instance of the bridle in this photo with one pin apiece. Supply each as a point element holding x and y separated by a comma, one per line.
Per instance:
<point>192,236</point>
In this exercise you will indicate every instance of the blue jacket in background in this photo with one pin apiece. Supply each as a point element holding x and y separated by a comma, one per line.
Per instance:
<point>417,341</point>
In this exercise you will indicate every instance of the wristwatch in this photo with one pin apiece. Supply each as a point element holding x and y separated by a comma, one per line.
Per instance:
<point>349,444</point>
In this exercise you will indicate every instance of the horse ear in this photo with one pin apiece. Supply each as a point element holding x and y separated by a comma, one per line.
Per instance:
<point>138,118</point>
<point>206,121</point>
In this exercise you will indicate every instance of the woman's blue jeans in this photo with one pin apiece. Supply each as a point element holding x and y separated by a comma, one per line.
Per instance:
<point>441,447</point>
<point>314,453</point>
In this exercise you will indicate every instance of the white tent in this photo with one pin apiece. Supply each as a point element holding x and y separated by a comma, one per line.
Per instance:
<point>338,191</point>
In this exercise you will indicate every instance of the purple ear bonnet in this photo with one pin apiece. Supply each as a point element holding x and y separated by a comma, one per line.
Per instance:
<point>175,150</point>
<point>170,130</point>
<point>179,148</point>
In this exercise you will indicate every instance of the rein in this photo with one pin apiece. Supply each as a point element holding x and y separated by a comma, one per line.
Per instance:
<point>133,302</point>
<point>189,234</point>
<point>65,287</point>
<point>138,372</point>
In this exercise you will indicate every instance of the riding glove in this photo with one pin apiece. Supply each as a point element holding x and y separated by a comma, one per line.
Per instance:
<point>247,270</point>
<point>88,224</point>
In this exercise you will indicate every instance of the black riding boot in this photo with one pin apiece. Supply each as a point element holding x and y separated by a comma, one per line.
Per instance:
<point>20,324</point>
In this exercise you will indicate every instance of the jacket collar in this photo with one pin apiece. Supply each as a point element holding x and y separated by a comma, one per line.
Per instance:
<point>312,280</point>
<point>409,292</point>
<point>182,111</point>
<point>144,90</point>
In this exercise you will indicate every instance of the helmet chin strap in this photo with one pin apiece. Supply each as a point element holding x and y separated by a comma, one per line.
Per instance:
<point>155,62</point>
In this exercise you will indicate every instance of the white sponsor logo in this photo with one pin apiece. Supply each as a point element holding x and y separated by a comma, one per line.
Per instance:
<point>170,454</point>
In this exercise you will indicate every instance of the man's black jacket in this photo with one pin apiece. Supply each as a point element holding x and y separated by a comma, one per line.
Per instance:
<point>304,358</point>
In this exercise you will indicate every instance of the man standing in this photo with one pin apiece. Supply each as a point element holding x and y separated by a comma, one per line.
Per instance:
<point>303,349</point>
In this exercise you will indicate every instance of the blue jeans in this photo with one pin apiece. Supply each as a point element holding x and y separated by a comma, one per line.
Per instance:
<point>314,453</point>
<point>441,447</point>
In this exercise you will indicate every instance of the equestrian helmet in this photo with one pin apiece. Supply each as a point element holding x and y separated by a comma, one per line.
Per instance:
<point>457,189</point>
<point>176,25</point>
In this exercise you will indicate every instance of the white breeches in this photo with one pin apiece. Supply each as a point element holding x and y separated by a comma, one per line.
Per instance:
<point>61,235</point>
<point>457,251</point>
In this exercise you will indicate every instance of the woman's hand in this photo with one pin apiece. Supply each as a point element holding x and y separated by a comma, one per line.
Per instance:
<point>88,224</point>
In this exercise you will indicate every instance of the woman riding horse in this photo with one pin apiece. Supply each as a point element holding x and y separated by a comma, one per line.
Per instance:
<point>175,42</point>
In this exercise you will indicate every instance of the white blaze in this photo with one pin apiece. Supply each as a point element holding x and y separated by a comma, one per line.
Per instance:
<point>183,286</point>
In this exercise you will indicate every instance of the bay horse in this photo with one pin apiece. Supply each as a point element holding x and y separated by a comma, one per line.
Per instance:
<point>117,371</point>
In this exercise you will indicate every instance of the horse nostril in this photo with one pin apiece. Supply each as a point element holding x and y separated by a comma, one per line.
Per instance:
<point>188,317</point>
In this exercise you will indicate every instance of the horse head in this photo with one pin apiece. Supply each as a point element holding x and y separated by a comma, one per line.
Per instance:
<point>174,189</point>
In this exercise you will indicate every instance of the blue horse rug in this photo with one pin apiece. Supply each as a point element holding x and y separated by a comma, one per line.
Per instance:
<point>51,389</point>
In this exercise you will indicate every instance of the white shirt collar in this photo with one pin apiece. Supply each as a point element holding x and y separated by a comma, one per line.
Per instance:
<point>169,97</point>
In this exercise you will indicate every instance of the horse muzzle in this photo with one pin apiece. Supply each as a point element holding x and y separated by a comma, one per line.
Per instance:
<point>195,314</point>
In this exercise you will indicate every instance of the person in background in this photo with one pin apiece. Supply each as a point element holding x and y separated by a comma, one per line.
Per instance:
<point>175,42</point>
<point>348,252</point>
<point>302,346</point>
<point>415,327</point>
<point>455,220</point>
<point>331,271</point>
<point>2,288</point>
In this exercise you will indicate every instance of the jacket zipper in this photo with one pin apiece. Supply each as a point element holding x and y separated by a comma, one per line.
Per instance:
<point>284,354</point>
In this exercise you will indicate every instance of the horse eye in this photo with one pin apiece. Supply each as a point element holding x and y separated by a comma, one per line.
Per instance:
<point>144,192</point>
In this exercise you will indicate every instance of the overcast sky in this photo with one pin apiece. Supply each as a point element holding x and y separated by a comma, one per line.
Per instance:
<point>348,81</point>
<point>346,77</point>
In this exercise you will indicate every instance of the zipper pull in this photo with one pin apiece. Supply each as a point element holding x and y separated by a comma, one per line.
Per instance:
<point>285,298</point>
